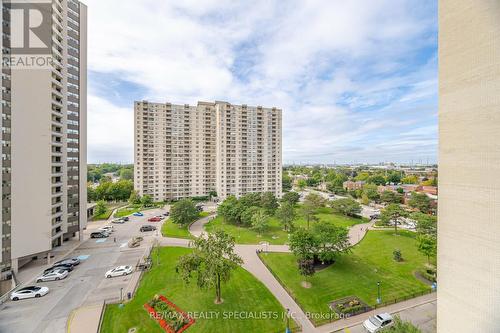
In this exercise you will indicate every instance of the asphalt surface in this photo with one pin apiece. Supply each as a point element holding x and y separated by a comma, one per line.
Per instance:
<point>85,285</point>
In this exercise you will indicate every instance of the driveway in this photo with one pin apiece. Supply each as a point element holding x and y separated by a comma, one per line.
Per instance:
<point>86,284</point>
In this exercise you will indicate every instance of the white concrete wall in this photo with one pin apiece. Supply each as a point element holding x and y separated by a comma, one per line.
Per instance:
<point>469,167</point>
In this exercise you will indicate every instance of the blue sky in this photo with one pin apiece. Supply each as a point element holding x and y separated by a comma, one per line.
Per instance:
<point>357,80</point>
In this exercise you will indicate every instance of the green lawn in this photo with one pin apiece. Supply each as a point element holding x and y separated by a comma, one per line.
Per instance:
<point>109,211</point>
<point>356,274</point>
<point>243,294</point>
<point>275,234</point>
<point>170,229</point>
<point>127,211</point>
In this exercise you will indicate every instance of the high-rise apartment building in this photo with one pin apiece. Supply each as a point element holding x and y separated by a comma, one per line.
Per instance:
<point>468,296</point>
<point>43,132</point>
<point>190,151</point>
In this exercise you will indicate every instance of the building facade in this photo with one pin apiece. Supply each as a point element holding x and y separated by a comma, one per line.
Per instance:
<point>191,151</point>
<point>469,159</point>
<point>44,112</point>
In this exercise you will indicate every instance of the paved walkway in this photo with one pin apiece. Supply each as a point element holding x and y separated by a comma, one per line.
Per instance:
<point>85,319</point>
<point>253,264</point>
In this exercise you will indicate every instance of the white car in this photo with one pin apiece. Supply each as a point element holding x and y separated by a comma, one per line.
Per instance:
<point>107,228</point>
<point>378,322</point>
<point>119,271</point>
<point>29,292</point>
<point>53,275</point>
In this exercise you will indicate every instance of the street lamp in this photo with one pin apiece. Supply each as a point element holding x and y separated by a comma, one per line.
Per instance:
<point>288,321</point>
<point>379,299</point>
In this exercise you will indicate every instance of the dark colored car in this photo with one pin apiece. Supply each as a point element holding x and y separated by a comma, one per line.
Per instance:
<point>67,267</point>
<point>125,218</point>
<point>147,228</point>
<point>166,214</point>
<point>71,261</point>
<point>99,234</point>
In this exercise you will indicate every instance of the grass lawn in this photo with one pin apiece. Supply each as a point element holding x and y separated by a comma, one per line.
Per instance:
<point>109,211</point>
<point>243,294</point>
<point>170,229</point>
<point>275,234</point>
<point>356,274</point>
<point>126,211</point>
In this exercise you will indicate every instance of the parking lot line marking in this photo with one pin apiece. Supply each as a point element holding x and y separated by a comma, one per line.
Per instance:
<point>83,257</point>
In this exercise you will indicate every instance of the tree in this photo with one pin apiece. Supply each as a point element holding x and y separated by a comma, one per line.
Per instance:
<point>303,244</point>
<point>126,174</point>
<point>301,184</point>
<point>401,326</point>
<point>427,245</point>
<point>91,196</point>
<point>147,200</point>
<point>394,177</point>
<point>231,210</point>
<point>184,212</point>
<point>376,179</point>
<point>100,208</point>
<point>211,262</point>
<point>308,210</point>
<point>391,197</point>
<point>426,224</point>
<point>331,241</point>
<point>250,200</point>
<point>420,201</point>
<point>286,182</point>
<point>412,179</point>
<point>247,215</point>
<point>291,197</point>
<point>393,213</point>
<point>260,221</point>
<point>397,255</point>
<point>346,206</point>
<point>269,203</point>
<point>286,215</point>
<point>135,198</point>
<point>306,268</point>
<point>371,191</point>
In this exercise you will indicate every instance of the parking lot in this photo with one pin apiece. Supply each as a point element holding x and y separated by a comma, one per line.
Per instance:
<point>86,284</point>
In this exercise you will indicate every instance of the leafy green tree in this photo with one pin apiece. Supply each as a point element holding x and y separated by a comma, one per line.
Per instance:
<point>260,221</point>
<point>184,212</point>
<point>376,179</point>
<point>100,208</point>
<point>247,215</point>
<point>312,203</point>
<point>426,224</point>
<point>393,213</point>
<point>331,241</point>
<point>286,182</point>
<point>91,195</point>
<point>401,326</point>
<point>135,198</point>
<point>412,179</point>
<point>362,176</point>
<point>303,244</point>
<point>211,262</point>
<point>391,197</point>
<point>147,200</point>
<point>420,201</point>
<point>301,184</point>
<point>127,174</point>
<point>394,177</point>
<point>427,245</point>
<point>306,267</point>
<point>231,210</point>
<point>291,197</point>
<point>286,215</point>
<point>346,206</point>
<point>371,192</point>
<point>250,200</point>
<point>269,203</point>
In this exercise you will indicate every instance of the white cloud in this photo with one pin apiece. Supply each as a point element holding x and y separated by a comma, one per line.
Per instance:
<point>323,62</point>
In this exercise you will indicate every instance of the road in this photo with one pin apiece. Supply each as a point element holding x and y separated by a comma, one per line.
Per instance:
<point>86,284</point>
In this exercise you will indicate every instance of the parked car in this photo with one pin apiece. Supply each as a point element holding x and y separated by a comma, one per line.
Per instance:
<point>108,228</point>
<point>54,275</point>
<point>119,271</point>
<point>147,228</point>
<point>67,267</point>
<point>99,234</point>
<point>160,217</point>
<point>199,207</point>
<point>154,219</point>
<point>125,218</point>
<point>378,322</point>
<point>138,214</point>
<point>72,261</point>
<point>29,292</point>
<point>166,214</point>
<point>118,221</point>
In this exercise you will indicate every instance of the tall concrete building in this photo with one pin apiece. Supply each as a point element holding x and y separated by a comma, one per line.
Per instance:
<point>43,129</point>
<point>469,164</point>
<point>190,151</point>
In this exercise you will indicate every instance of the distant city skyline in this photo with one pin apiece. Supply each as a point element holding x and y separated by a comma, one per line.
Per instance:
<point>357,80</point>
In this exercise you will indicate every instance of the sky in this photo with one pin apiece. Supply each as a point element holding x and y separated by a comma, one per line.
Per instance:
<point>356,80</point>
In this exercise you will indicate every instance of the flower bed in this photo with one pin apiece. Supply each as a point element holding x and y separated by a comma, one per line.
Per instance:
<point>170,317</point>
<point>349,306</point>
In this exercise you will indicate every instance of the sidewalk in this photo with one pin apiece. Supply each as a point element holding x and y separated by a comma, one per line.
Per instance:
<point>85,319</point>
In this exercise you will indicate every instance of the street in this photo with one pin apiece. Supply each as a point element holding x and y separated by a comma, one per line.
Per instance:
<point>86,284</point>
